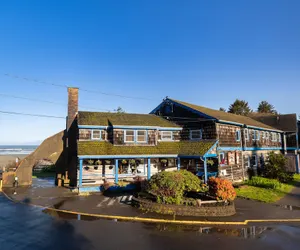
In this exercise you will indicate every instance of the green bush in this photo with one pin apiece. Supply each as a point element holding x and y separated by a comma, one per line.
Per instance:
<point>264,183</point>
<point>275,168</point>
<point>170,187</point>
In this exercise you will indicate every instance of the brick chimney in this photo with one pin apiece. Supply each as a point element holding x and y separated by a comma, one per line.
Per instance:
<point>72,106</point>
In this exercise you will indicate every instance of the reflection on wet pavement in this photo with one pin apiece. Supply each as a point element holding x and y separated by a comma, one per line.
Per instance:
<point>25,227</point>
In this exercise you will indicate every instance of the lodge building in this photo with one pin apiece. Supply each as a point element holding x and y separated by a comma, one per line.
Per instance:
<point>105,147</point>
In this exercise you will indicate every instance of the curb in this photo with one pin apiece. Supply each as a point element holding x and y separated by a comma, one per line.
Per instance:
<point>153,220</point>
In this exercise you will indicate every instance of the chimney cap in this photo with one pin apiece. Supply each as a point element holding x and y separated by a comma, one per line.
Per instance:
<point>73,88</point>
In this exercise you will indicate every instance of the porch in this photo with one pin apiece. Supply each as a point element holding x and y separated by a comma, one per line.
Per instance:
<point>94,171</point>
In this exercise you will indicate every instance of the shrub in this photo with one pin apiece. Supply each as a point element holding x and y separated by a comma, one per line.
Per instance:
<point>264,182</point>
<point>191,181</point>
<point>167,187</point>
<point>221,189</point>
<point>275,168</point>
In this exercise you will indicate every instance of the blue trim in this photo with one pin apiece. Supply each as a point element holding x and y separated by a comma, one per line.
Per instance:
<point>149,169</point>
<point>92,127</point>
<point>80,172</point>
<point>157,108</point>
<point>116,171</point>
<point>90,189</point>
<point>229,148</point>
<point>190,109</point>
<point>297,139</point>
<point>231,123</point>
<point>178,163</point>
<point>205,170</point>
<point>211,155</point>
<point>291,148</point>
<point>211,148</point>
<point>256,149</point>
<point>124,156</point>
<point>169,129</point>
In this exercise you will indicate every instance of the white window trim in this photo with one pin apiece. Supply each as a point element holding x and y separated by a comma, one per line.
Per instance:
<point>92,135</point>
<point>220,158</point>
<point>162,136</point>
<point>254,135</point>
<point>246,134</point>
<point>195,130</point>
<point>279,137</point>
<point>267,136</point>
<point>125,133</point>
<point>255,165</point>
<point>136,136</point>
<point>263,135</point>
<point>257,136</point>
<point>238,132</point>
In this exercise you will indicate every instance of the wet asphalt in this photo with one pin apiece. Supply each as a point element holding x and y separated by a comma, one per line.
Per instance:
<point>27,227</point>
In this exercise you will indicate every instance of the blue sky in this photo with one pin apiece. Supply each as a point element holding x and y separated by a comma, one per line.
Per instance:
<point>205,52</point>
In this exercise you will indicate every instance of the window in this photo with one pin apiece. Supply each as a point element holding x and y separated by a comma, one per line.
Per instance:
<point>254,160</point>
<point>196,134</point>
<point>257,135</point>
<point>166,135</point>
<point>96,134</point>
<point>279,137</point>
<point>263,135</point>
<point>246,134</point>
<point>273,137</point>
<point>141,136</point>
<point>129,135</point>
<point>238,135</point>
<point>246,161</point>
<point>267,136</point>
<point>85,134</point>
<point>222,159</point>
<point>253,135</point>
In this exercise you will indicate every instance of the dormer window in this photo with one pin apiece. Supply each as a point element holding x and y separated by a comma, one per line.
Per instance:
<point>166,135</point>
<point>141,136</point>
<point>135,136</point>
<point>196,134</point>
<point>96,134</point>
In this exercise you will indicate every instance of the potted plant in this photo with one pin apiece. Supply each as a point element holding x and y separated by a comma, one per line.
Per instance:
<point>133,165</point>
<point>98,163</point>
<point>164,162</point>
<point>90,162</point>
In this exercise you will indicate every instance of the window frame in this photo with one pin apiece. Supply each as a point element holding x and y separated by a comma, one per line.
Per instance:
<point>195,130</point>
<point>162,135</point>
<point>254,155</point>
<point>222,153</point>
<point>238,135</point>
<point>100,135</point>
<point>137,136</point>
<point>279,137</point>
<point>125,135</point>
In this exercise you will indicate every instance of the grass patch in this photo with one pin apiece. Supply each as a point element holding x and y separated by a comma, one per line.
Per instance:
<point>266,190</point>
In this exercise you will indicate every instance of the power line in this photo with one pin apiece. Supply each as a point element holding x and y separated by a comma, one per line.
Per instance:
<point>36,115</point>
<point>81,89</point>
<point>45,101</point>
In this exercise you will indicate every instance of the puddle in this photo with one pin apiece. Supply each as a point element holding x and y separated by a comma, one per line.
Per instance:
<point>241,232</point>
<point>251,232</point>
<point>43,182</point>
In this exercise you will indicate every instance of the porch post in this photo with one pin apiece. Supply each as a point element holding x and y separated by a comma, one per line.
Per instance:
<point>178,163</point>
<point>149,169</point>
<point>116,171</point>
<point>205,169</point>
<point>80,172</point>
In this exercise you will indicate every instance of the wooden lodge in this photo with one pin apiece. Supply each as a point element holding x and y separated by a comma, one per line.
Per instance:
<point>108,147</point>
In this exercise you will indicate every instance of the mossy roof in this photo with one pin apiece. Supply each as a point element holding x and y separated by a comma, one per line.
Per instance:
<point>189,148</point>
<point>114,119</point>
<point>220,115</point>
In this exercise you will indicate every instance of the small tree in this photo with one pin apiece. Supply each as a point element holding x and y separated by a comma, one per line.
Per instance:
<point>275,168</point>
<point>265,107</point>
<point>222,109</point>
<point>239,107</point>
<point>119,110</point>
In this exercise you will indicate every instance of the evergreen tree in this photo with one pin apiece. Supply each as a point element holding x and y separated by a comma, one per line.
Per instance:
<point>265,107</point>
<point>239,107</point>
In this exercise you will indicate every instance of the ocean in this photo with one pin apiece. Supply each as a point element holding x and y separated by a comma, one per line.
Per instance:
<point>17,149</point>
